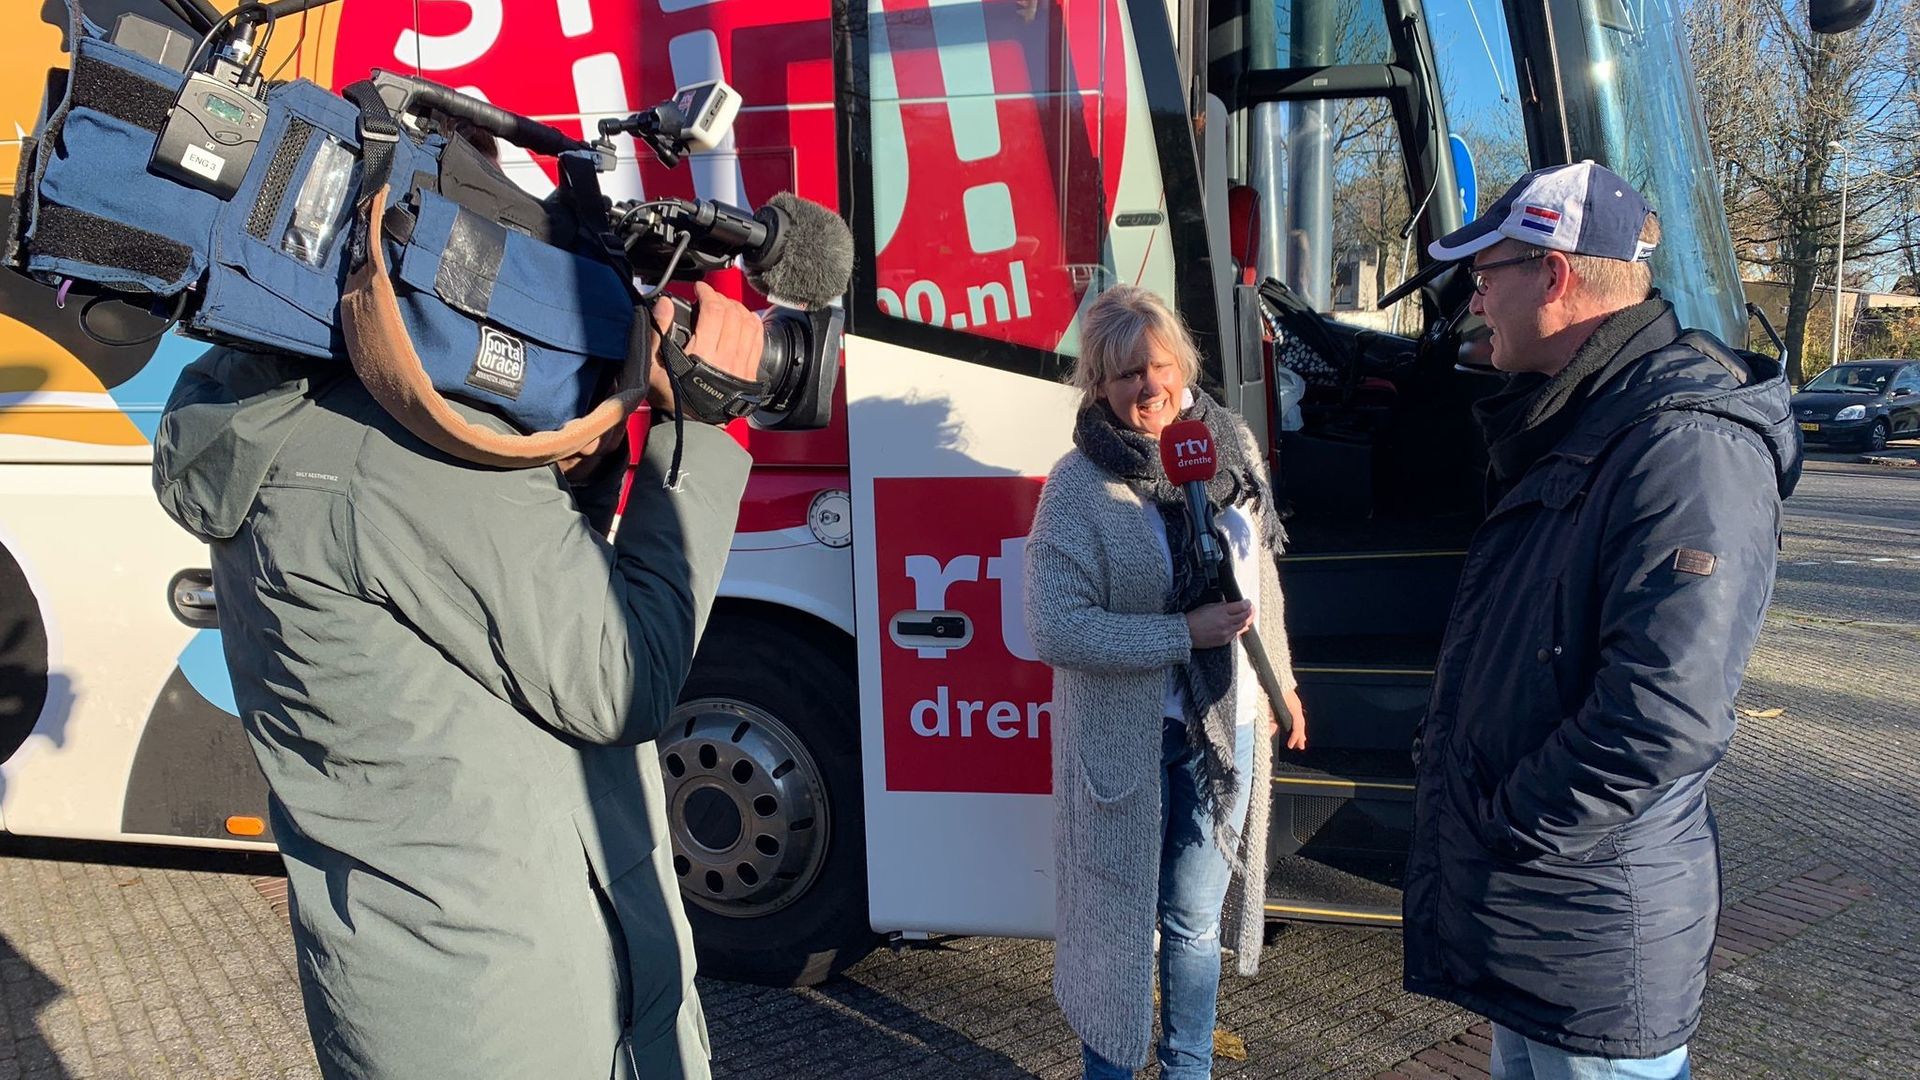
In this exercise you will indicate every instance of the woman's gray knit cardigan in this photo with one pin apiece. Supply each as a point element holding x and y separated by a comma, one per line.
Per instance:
<point>1096,584</point>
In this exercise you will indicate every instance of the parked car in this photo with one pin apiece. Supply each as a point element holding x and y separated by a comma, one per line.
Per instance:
<point>1860,404</point>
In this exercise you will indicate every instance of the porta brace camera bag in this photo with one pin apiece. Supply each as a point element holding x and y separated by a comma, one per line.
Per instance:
<point>341,200</point>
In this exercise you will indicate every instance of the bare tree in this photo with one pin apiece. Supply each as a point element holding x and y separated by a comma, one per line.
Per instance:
<point>1775,96</point>
<point>1370,193</point>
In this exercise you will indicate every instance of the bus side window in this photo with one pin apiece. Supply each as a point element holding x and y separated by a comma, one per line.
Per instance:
<point>1015,164</point>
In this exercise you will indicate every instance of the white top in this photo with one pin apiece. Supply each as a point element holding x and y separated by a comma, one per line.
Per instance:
<point>1243,537</point>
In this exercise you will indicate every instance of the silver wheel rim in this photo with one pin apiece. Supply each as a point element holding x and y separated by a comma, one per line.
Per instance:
<point>747,808</point>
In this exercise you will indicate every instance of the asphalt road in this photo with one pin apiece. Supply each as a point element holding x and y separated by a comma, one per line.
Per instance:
<point>1849,530</point>
<point>117,964</point>
<point>1836,488</point>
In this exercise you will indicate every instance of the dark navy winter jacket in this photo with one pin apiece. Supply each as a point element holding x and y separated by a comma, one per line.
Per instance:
<point>1564,879</point>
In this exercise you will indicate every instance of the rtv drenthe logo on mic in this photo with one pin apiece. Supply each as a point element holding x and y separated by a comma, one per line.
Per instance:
<point>1190,452</point>
<point>501,365</point>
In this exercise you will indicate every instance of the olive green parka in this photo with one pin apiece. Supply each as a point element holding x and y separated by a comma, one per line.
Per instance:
<point>451,680</point>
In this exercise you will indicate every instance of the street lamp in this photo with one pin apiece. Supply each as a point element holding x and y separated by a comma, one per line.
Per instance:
<point>1839,252</point>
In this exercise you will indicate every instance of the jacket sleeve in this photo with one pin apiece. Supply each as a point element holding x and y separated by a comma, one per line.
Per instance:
<point>1066,621</point>
<point>1672,644</point>
<point>591,639</point>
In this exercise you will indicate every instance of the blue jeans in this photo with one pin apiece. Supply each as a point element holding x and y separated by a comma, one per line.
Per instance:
<point>1516,1057</point>
<point>1193,885</point>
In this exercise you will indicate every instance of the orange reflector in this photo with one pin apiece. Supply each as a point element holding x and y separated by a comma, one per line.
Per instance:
<point>246,826</point>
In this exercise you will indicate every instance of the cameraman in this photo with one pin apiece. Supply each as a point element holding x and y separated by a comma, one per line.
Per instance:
<point>451,680</point>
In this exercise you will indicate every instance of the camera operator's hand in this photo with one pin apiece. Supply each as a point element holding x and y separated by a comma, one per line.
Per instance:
<point>725,335</point>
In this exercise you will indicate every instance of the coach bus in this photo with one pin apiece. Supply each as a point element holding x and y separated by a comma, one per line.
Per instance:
<point>843,768</point>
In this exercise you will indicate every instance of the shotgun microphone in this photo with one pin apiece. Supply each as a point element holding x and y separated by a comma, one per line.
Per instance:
<point>1187,454</point>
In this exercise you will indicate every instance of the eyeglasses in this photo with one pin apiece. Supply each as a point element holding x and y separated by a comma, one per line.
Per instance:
<point>1480,271</point>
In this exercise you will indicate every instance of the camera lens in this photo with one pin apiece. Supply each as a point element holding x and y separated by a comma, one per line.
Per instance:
<point>799,364</point>
<point>783,358</point>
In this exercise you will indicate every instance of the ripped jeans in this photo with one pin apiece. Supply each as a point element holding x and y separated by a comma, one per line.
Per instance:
<point>1193,885</point>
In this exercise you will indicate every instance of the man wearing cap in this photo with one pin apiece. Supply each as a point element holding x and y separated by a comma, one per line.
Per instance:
<point>1564,878</point>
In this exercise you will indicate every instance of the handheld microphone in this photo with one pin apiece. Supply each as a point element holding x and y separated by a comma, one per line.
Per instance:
<point>1188,456</point>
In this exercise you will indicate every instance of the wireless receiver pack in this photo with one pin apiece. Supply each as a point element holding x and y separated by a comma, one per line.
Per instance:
<point>214,128</point>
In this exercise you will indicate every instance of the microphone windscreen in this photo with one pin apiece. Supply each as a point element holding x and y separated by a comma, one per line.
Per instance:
<point>814,259</point>
<point>1186,452</point>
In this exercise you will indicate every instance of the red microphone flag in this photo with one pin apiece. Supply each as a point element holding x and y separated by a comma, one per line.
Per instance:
<point>1186,452</point>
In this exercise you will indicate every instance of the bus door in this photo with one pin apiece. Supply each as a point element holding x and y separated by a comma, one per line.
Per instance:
<point>1343,109</point>
<point>1004,162</point>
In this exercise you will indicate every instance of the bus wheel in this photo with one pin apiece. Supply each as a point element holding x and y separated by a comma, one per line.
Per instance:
<point>763,789</point>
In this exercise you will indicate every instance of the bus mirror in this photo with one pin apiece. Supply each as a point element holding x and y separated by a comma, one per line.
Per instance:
<point>1837,16</point>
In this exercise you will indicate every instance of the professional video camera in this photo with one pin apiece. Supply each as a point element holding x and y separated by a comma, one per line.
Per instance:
<point>168,173</point>
<point>798,253</point>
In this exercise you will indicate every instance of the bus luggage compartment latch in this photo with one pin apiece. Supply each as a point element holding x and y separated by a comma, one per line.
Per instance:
<point>931,632</point>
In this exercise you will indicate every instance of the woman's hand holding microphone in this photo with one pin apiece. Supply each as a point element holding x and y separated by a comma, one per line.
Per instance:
<point>1213,625</point>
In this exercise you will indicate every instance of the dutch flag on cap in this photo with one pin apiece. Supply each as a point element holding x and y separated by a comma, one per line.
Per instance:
<point>1540,219</point>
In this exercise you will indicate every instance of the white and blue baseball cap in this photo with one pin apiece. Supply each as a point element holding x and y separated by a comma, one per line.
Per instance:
<point>1581,209</point>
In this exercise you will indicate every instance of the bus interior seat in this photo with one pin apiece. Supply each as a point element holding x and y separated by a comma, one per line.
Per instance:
<point>1325,470</point>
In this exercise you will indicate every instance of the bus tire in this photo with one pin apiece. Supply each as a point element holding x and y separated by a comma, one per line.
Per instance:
<point>761,764</point>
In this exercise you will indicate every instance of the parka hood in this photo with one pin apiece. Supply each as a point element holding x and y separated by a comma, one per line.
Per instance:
<point>225,423</point>
<point>1695,372</point>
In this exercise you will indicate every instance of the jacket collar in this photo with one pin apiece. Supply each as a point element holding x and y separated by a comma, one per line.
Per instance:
<point>1670,371</point>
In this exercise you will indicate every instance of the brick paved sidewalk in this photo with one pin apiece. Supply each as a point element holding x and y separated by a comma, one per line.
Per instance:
<point>181,967</point>
<point>148,972</point>
<point>1756,925</point>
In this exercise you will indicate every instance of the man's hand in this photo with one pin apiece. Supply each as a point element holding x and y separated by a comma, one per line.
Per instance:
<point>725,335</point>
<point>1213,625</point>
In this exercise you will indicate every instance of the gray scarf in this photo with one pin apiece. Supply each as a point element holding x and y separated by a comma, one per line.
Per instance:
<point>1529,417</point>
<point>1207,679</point>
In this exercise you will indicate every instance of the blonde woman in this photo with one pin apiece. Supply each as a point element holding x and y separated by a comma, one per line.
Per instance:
<point>1161,733</point>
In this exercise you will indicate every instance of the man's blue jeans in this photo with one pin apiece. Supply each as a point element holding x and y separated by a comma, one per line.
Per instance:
<point>1516,1057</point>
<point>1193,885</point>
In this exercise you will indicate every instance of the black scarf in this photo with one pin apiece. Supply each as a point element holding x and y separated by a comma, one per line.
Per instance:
<point>1134,458</point>
<point>1525,421</point>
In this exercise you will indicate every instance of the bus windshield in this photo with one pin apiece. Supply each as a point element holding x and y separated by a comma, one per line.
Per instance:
<point>1643,120</point>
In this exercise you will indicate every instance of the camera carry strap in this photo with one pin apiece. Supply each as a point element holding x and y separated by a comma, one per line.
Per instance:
<point>382,352</point>
<point>383,355</point>
<point>379,134</point>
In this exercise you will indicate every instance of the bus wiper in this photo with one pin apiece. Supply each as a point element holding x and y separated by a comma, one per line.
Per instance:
<point>1424,275</point>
